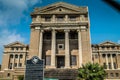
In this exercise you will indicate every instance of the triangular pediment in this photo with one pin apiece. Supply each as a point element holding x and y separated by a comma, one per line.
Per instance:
<point>15,44</point>
<point>108,43</point>
<point>60,7</point>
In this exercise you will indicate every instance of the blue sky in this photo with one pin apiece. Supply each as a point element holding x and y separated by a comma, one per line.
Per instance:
<point>15,20</point>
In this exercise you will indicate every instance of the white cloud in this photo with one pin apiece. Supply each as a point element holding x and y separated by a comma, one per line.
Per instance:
<point>118,41</point>
<point>8,37</point>
<point>12,11</point>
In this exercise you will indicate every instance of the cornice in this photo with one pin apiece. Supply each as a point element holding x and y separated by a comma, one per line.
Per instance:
<point>58,24</point>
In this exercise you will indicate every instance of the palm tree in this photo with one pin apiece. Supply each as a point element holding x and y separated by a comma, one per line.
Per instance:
<point>91,71</point>
<point>21,77</point>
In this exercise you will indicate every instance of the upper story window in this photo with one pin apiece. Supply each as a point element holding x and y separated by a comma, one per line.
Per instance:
<point>12,48</point>
<point>72,18</point>
<point>21,48</point>
<point>21,56</point>
<point>16,56</point>
<point>60,18</point>
<point>11,56</point>
<point>48,18</point>
<point>103,55</point>
<point>113,55</point>
<point>17,48</point>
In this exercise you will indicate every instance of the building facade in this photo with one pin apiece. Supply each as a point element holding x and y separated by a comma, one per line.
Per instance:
<point>60,34</point>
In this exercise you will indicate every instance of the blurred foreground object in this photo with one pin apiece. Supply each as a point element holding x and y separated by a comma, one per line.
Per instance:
<point>113,3</point>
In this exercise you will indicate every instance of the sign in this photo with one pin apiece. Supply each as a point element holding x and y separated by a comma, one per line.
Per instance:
<point>34,69</point>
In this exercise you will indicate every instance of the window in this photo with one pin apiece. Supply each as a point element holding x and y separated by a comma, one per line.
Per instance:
<point>113,55</point>
<point>115,67</point>
<point>73,60</point>
<point>111,74</point>
<point>17,48</point>
<point>72,18</point>
<point>20,64</point>
<point>21,56</point>
<point>48,19</point>
<point>8,75</point>
<point>103,55</point>
<point>104,65</point>
<point>60,18</point>
<point>102,47</point>
<point>110,67</point>
<point>16,56</point>
<point>73,35</point>
<point>60,46</point>
<point>60,35</point>
<point>10,66</point>
<point>11,56</point>
<point>108,55</point>
<point>21,48</point>
<point>15,65</point>
<point>117,74</point>
<point>96,55</point>
<point>12,48</point>
<point>48,60</point>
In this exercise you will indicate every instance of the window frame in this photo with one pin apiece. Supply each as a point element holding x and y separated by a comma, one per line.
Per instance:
<point>73,60</point>
<point>62,45</point>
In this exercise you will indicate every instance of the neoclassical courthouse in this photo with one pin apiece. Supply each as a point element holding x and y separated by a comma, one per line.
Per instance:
<point>60,34</point>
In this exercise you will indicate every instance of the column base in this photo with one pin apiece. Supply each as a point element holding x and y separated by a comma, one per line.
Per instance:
<point>68,67</point>
<point>52,67</point>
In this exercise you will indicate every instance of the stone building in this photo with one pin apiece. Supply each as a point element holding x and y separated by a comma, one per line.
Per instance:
<point>60,34</point>
<point>107,54</point>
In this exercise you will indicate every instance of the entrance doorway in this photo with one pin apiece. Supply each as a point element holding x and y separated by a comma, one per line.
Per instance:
<point>60,62</point>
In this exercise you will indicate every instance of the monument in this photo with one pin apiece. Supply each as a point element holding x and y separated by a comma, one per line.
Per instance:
<point>34,69</point>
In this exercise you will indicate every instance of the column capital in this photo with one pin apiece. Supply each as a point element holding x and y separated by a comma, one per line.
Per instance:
<point>41,30</point>
<point>66,30</point>
<point>78,30</point>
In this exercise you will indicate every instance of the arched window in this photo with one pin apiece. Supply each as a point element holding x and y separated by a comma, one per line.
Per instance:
<point>21,56</point>
<point>103,55</point>
<point>11,55</point>
<point>16,56</point>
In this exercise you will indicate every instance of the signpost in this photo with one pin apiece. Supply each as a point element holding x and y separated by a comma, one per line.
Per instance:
<point>34,69</point>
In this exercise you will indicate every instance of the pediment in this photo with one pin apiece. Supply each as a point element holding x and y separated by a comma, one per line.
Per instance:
<point>108,43</point>
<point>15,44</point>
<point>60,7</point>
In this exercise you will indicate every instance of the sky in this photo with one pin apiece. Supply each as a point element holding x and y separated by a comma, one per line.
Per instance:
<point>15,20</point>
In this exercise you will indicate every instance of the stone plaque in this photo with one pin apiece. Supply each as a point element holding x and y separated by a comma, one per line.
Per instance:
<point>34,69</point>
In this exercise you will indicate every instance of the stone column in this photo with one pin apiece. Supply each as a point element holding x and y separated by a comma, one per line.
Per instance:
<point>13,61</point>
<point>111,61</point>
<point>53,18</point>
<point>106,57</point>
<point>40,44</point>
<point>67,53</point>
<point>53,49</point>
<point>18,61</point>
<point>80,48</point>
<point>66,18</point>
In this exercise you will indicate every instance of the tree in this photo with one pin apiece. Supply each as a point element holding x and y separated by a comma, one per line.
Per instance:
<point>21,77</point>
<point>91,71</point>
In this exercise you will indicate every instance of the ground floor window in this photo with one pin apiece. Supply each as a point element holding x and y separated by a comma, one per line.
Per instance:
<point>48,60</point>
<point>73,60</point>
